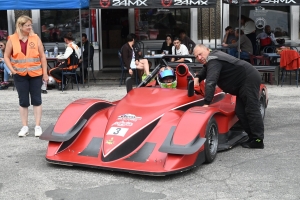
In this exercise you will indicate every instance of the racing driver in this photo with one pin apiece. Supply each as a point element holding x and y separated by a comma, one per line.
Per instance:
<point>236,77</point>
<point>166,78</point>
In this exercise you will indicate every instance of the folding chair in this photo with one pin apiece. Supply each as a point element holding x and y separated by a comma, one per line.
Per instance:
<point>91,68</point>
<point>71,70</point>
<point>289,61</point>
<point>262,61</point>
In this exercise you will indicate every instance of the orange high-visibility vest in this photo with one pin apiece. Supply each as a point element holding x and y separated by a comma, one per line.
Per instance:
<point>26,64</point>
<point>71,64</point>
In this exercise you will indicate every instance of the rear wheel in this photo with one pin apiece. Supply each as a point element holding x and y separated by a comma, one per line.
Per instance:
<point>211,143</point>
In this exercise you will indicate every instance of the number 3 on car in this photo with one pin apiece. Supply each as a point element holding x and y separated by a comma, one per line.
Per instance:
<point>117,131</point>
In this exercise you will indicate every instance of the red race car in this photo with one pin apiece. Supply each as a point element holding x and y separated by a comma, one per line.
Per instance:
<point>152,130</point>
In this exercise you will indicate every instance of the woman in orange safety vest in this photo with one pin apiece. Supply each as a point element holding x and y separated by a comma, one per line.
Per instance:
<point>24,56</point>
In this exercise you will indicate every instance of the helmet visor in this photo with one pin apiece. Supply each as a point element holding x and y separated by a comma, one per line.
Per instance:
<point>166,73</point>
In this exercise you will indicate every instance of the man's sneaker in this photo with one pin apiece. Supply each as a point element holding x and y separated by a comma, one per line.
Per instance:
<point>38,131</point>
<point>23,132</point>
<point>254,144</point>
<point>3,87</point>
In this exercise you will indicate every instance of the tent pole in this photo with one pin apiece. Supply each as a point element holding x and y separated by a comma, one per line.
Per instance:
<point>201,25</point>
<point>240,13</point>
<point>98,12</point>
<point>82,63</point>
<point>216,26</point>
<point>222,21</point>
<point>90,37</point>
<point>209,27</point>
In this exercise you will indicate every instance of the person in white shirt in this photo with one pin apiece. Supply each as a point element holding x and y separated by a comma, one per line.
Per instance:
<point>249,28</point>
<point>69,60</point>
<point>180,49</point>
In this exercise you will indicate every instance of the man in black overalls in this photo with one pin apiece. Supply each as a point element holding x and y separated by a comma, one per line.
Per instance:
<point>236,77</point>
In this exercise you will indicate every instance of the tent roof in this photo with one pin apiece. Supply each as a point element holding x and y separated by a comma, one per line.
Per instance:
<point>263,2</point>
<point>43,4</point>
<point>124,4</point>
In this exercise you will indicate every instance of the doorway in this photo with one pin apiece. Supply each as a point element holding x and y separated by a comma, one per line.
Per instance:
<point>115,28</point>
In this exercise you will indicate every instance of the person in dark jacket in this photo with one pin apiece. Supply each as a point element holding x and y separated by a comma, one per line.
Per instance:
<point>167,44</point>
<point>85,58</point>
<point>229,37</point>
<point>131,59</point>
<point>136,45</point>
<point>236,77</point>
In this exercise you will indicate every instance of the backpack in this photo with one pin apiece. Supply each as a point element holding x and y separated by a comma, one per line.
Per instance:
<point>265,42</point>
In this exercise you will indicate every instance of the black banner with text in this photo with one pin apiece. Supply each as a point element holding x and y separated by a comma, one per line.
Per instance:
<point>123,4</point>
<point>264,2</point>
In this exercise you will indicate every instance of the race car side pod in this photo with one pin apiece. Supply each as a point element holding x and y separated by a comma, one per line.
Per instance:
<point>50,135</point>
<point>192,147</point>
<point>150,76</point>
<point>76,122</point>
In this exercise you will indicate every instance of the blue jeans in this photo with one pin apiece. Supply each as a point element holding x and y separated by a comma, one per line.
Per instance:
<point>243,54</point>
<point>6,71</point>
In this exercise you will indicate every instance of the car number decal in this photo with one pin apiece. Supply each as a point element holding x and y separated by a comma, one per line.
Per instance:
<point>117,131</point>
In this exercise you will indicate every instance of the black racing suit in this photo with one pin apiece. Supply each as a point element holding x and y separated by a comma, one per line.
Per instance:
<point>236,77</point>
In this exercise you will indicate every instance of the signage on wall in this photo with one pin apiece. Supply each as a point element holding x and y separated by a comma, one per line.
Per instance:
<point>260,11</point>
<point>231,1</point>
<point>264,2</point>
<point>260,23</point>
<point>254,2</point>
<point>276,19</point>
<point>280,1</point>
<point>121,4</point>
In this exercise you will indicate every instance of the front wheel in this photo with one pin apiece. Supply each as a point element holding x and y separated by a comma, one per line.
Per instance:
<point>211,143</point>
<point>262,106</point>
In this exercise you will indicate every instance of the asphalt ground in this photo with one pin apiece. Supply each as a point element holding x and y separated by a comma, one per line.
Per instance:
<point>268,174</point>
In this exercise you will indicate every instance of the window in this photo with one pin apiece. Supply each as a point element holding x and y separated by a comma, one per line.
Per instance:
<point>3,25</point>
<point>56,23</point>
<point>275,16</point>
<point>154,24</point>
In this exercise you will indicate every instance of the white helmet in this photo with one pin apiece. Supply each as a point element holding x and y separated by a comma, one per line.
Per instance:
<point>51,81</point>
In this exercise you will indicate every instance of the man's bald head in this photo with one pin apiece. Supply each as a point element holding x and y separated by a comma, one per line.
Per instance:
<point>201,53</point>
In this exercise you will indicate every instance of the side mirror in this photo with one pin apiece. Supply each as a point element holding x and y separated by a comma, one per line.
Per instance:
<point>128,84</point>
<point>191,90</point>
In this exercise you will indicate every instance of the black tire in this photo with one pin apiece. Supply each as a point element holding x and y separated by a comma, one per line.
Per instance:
<point>262,105</point>
<point>211,143</point>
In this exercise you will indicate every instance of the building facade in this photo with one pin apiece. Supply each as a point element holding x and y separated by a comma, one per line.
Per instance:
<point>109,27</point>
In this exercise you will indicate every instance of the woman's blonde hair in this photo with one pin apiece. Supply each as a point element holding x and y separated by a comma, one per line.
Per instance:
<point>20,22</point>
